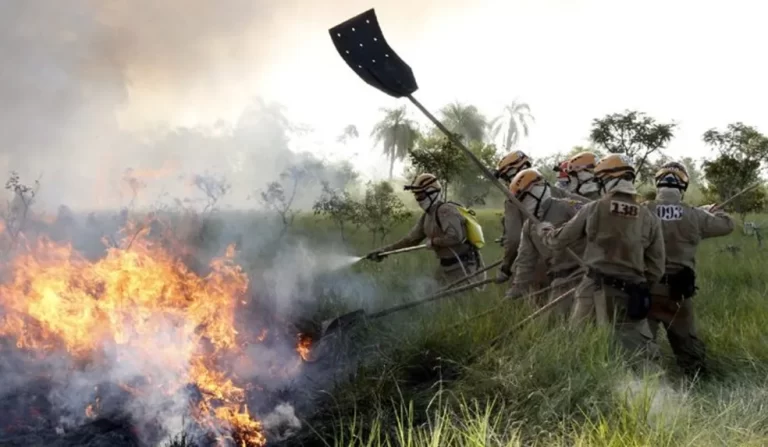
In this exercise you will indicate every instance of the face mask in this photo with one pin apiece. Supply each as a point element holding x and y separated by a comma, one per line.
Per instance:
<point>620,185</point>
<point>427,201</point>
<point>669,194</point>
<point>536,196</point>
<point>583,183</point>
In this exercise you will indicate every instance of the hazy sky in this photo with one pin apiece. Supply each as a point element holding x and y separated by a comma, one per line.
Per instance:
<point>137,64</point>
<point>698,62</point>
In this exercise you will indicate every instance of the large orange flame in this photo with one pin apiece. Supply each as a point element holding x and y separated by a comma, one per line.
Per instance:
<point>145,306</point>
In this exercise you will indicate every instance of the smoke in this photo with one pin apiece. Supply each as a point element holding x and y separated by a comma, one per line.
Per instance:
<point>76,78</point>
<point>89,89</point>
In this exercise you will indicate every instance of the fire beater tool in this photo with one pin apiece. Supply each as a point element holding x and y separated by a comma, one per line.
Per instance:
<point>350,318</point>
<point>361,43</point>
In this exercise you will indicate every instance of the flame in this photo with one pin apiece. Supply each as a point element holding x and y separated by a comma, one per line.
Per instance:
<point>303,346</point>
<point>144,307</point>
<point>91,411</point>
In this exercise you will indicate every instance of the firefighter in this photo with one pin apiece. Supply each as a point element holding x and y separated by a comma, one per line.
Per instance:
<point>683,227</point>
<point>443,227</point>
<point>581,172</point>
<point>563,180</point>
<point>507,168</point>
<point>530,188</point>
<point>624,254</point>
<point>512,222</point>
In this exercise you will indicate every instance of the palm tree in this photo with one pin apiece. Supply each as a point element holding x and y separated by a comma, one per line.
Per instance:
<point>465,120</point>
<point>396,133</point>
<point>514,122</point>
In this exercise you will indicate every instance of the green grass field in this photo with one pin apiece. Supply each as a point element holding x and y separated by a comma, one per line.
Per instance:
<point>431,380</point>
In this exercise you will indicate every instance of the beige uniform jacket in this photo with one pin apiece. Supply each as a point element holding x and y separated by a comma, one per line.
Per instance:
<point>532,249</point>
<point>623,238</point>
<point>513,225</point>
<point>447,239</point>
<point>684,227</point>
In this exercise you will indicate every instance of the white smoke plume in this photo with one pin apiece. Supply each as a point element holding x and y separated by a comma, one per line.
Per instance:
<point>76,77</point>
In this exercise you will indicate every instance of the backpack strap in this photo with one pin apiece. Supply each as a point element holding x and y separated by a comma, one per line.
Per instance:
<point>437,217</point>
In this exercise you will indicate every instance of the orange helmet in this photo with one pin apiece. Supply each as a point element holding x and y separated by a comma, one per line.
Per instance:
<point>511,164</point>
<point>524,181</point>
<point>672,175</point>
<point>614,166</point>
<point>583,161</point>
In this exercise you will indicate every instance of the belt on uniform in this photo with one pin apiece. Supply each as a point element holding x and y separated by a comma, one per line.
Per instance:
<point>611,281</point>
<point>466,258</point>
<point>639,301</point>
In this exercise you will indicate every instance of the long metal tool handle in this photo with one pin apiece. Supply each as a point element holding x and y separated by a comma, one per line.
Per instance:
<point>735,196</point>
<point>505,299</point>
<point>403,250</point>
<point>471,275</point>
<point>533,316</point>
<point>434,297</point>
<point>511,197</point>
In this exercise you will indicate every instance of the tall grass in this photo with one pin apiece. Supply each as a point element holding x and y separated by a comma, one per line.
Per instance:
<point>431,378</point>
<point>434,380</point>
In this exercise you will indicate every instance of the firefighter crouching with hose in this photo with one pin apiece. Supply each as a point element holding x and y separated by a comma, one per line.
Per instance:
<point>449,229</point>
<point>684,227</point>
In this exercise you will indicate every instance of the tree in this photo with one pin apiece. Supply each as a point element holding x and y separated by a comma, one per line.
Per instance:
<point>513,122</point>
<point>742,151</point>
<point>277,199</point>
<point>470,186</point>
<point>18,208</point>
<point>340,207</point>
<point>214,188</point>
<point>465,120</point>
<point>396,134</point>
<point>634,134</point>
<point>382,210</point>
<point>694,173</point>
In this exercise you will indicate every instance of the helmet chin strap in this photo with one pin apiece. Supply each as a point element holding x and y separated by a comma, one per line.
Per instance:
<point>432,196</point>
<point>539,200</point>
<point>585,186</point>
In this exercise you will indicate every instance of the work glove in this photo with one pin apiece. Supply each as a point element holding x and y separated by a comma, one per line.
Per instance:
<point>375,256</point>
<point>708,208</point>
<point>503,275</point>
<point>429,243</point>
<point>544,228</point>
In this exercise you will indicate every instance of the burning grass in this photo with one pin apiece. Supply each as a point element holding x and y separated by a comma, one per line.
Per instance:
<point>426,378</point>
<point>140,317</point>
